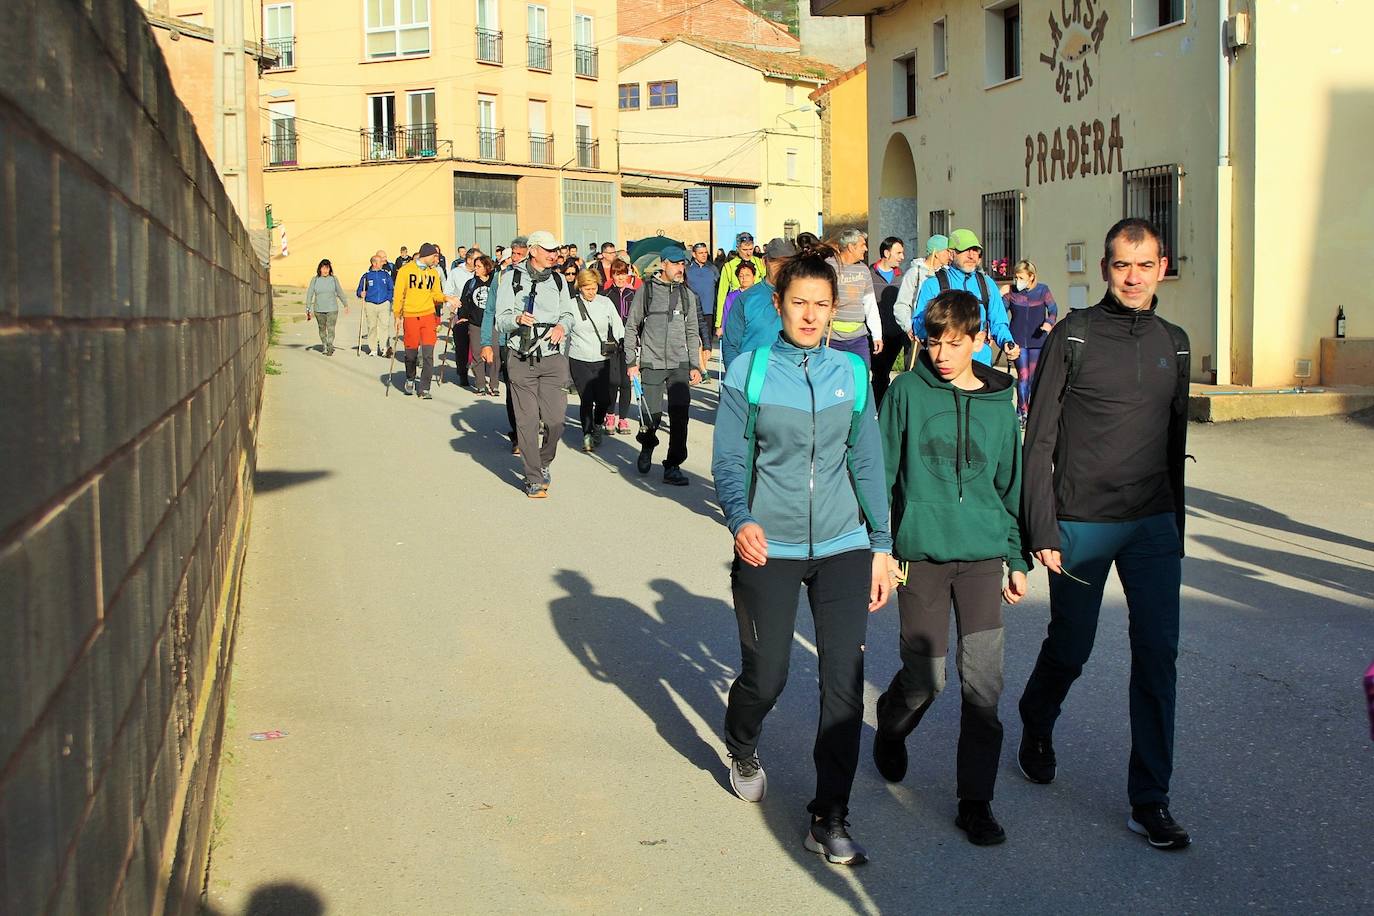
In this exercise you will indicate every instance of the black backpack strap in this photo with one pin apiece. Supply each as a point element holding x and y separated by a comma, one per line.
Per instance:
<point>1183,361</point>
<point>1075,339</point>
<point>942,278</point>
<point>983,283</point>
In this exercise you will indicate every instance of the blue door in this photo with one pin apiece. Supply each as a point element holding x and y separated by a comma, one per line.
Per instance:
<point>729,219</point>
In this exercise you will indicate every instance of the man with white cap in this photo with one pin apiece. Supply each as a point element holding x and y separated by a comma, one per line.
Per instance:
<point>535,312</point>
<point>662,346</point>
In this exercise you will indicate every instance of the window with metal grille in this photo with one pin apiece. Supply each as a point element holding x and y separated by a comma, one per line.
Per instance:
<point>588,198</point>
<point>1001,233</point>
<point>939,222</point>
<point>1154,193</point>
<point>279,33</point>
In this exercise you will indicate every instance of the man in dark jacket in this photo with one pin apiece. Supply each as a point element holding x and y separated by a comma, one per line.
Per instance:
<point>704,279</point>
<point>661,346</point>
<point>1103,486</point>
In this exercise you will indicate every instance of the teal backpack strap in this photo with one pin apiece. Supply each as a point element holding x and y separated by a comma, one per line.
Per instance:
<point>753,391</point>
<point>860,396</point>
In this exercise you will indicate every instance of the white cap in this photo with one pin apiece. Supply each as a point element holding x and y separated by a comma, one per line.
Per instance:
<point>544,240</point>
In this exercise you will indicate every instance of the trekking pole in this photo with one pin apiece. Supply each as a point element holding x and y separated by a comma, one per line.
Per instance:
<point>448,339</point>
<point>362,321</point>
<point>638,388</point>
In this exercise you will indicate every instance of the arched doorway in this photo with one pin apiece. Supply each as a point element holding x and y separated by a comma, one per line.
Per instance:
<point>897,194</point>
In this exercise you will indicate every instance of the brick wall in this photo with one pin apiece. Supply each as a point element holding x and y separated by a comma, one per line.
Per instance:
<point>133,330</point>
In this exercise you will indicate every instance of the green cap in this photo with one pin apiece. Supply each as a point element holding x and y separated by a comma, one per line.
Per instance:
<point>936,243</point>
<point>963,240</point>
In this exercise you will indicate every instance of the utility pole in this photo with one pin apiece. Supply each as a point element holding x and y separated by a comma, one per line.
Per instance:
<point>231,136</point>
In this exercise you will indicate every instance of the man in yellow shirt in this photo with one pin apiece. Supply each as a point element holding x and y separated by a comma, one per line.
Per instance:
<point>418,290</point>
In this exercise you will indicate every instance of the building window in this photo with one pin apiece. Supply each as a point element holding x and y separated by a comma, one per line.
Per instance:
<point>1001,233</point>
<point>421,139</point>
<point>584,47</point>
<point>379,142</point>
<point>488,32</point>
<point>541,141</point>
<point>629,96</point>
<point>791,165</point>
<point>396,28</point>
<point>281,136</point>
<point>1154,194</point>
<point>790,94</point>
<point>588,154</point>
<point>1148,15</point>
<point>904,87</point>
<point>939,222</point>
<point>941,59</point>
<point>491,141</point>
<point>1003,41</point>
<point>279,33</point>
<point>663,94</point>
<point>537,24</point>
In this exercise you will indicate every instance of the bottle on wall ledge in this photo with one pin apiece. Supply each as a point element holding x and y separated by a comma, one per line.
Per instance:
<point>1340,321</point>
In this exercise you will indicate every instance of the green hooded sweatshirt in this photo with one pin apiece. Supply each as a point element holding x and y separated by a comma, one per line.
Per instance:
<point>953,462</point>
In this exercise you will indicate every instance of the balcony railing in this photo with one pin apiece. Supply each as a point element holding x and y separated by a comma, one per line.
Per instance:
<point>588,154</point>
<point>541,149</point>
<point>491,144</point>
<point>419,141</point>
<point>539,53</point>
<point>280,150</point>
<point>488,46</point>
<point>286,52</point>
<point>585,58</point>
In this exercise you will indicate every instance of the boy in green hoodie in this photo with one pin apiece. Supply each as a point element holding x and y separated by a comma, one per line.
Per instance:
<point>953,457</point>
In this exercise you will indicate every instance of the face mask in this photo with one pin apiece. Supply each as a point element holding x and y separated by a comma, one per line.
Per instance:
<point>1022,285</point>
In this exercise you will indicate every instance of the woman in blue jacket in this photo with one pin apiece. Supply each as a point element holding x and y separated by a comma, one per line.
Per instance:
<point>799,475</point>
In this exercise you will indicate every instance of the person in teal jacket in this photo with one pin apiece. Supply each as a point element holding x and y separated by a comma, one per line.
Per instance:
<point>963,273</point>
<point>952,449</point>
<point>799,476</point>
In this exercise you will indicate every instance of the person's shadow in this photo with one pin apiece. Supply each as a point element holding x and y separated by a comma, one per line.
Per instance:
<point>688,648</point>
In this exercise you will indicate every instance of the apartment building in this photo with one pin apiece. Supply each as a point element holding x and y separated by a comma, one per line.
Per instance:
<point>1239,127</point>
<point>393,122</point>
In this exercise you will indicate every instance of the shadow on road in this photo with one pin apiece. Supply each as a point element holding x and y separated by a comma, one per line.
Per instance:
<point>282,898</point>
<point>1241,510</point>
<point>269,481</point>
<point>685,651</point>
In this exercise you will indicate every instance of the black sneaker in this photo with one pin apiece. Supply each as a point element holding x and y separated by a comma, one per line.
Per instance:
<point>975,819</point>
<point>645,462</point>
<point>889,756</point>
<point>674,477</point>
<point>1155,824</point>
<point>830,837</point>
<point>1035,757</point>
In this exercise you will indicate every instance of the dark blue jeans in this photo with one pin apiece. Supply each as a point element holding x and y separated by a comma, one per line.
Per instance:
<point>1146,555</point>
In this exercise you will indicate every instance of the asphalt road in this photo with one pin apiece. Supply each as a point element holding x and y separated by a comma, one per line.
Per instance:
<point>508,705</point>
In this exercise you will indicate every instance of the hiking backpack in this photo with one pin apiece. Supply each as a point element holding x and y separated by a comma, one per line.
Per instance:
<point>1076,325</point>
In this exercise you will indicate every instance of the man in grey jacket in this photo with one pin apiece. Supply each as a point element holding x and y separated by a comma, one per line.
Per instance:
<point>662,346</point>
<point>534,312</point>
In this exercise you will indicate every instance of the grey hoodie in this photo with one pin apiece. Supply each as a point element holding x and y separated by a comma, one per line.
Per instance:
<point>663,326</point>
<point>324,294</point>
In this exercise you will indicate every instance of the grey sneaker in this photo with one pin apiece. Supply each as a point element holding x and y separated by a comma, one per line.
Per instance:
<point>410,386</point>
<point>830,837</point>
<point>748,779</point>
<point>548,478</point>
<point>426,395</point>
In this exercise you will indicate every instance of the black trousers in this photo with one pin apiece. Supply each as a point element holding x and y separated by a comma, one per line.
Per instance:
<point>924,601</point>
<point>461,350</point>
<point>1146,555</point>
<point>503,355</point>
<point>621,392</point>
<point>766,609</point>
<point>674,385</point>
<point>593,383</point>
<point>894,352</point>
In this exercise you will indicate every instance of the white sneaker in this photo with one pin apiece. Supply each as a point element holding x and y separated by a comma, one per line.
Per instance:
<point>748,779</point>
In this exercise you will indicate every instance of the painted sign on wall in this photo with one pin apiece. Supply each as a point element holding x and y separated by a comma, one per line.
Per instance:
<point>1092,149</point>
<point>1076,34</point>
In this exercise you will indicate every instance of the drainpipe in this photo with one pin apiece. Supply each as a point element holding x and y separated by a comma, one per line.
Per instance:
<point>1225,211</point>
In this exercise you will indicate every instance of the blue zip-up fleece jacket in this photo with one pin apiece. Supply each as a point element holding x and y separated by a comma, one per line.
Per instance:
<point>753,322</point>
<point>812,495</point>
<point>376,286</point>
<point>994,314</point>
